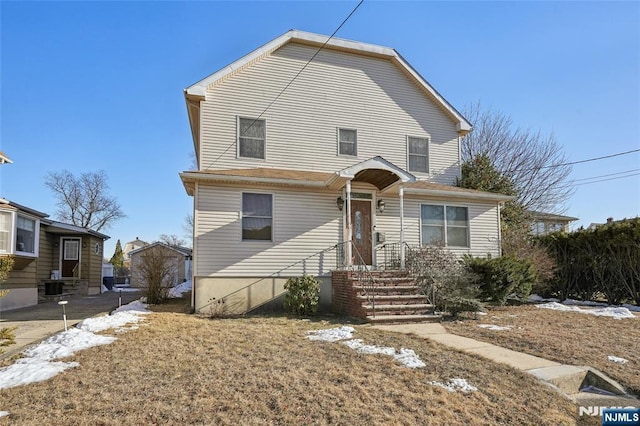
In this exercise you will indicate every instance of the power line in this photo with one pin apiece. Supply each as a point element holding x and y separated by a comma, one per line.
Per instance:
<point>574,162</point>
<point>610,174</point>
<point>604,180</point>
<point>292,80</point>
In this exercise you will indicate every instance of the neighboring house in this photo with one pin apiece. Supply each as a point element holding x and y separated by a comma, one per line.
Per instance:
<point>358,149</point>
<point>129,247</point>
<point>4,159</point>
<point>545,223</point>
<point>47,254</point>
<point>178,257</point>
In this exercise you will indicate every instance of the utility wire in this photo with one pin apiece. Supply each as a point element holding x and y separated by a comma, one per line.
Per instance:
<point>601,176</point>
<point>604,180</point>
<point>574,162</point>
<point>292,80</point>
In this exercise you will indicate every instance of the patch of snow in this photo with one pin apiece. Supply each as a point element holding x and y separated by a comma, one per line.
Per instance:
<point>4,413</point>
<point>455,385</point>
<point>136,306</point>
<point>331,334</point>
<point>481,313</point>
<point>617,360</point>
<point>494,327</point>
<point>104,289</point>
<point>406,357</point>
<point>66,343</point>
<point>594,389</point>
<point>613,312</point>
<point>358,346</point>
<point>38,364</point>
<point>179,289</point>
<point>582,303</point>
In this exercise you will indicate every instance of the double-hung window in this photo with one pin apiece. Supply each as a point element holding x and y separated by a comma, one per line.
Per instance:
<point>418,153</point>
<point>25,235</point>
<point>348,142</point>
<point>445,225</point>
<point>257,216</point>
<point>6,224</point>
<point>252,138</point>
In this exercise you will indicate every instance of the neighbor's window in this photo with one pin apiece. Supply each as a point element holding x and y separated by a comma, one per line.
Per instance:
<point>257,216</point>
<point>347,142</point>
<point>25,235</point>
<point>251,138</point>
<point>5,232</point>
<point>418,149</point>
<point>445,225</point>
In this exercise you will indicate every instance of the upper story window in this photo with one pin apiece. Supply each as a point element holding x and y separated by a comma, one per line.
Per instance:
<point>348,142</point>
<point>252,138</point>
<point>257,216</point>
<point>18,234</point>
<point>445,225</point>
<point>418,153</point>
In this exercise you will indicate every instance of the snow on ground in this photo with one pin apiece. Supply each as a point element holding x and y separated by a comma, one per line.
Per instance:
<point>455,385</point>
<point>331,334</point>
<point>494,327</point>
<point>122,289</point>
<point>632,308</point>
<point>4,413</point>
<point>38,363</point>
<point>617,360</point>
<point>534,298</point>
<point>615,312</point>
<point>406,357</point>
<point>179,289</point>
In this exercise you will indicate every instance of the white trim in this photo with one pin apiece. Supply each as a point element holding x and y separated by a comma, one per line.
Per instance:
<point>376,163</point>
<point>249,179</point>
<point>444,225</point>
<point>458,194</point>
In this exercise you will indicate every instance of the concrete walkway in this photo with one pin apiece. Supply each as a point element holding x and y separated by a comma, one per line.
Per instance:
<point>37,322</point>
<point>568,379</point>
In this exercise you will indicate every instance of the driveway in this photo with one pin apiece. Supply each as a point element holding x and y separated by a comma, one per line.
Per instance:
<point>35,323</point>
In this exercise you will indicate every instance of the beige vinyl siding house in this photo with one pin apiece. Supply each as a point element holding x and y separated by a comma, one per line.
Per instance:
<point>295,186</point>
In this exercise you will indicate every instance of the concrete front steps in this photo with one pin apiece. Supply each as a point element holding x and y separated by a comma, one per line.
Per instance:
<point>392,298</point>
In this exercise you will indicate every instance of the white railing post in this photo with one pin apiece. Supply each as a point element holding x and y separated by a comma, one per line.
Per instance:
<point>402,258</point>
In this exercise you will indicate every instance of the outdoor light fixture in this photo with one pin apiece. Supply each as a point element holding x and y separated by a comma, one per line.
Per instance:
<point>381,205</point>
<point>340,203</point>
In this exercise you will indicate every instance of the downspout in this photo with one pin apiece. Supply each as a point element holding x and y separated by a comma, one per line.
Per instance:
<point>348,221</point>
<point>402,254</point>
<point>194,253</point>
<point>499,232</point>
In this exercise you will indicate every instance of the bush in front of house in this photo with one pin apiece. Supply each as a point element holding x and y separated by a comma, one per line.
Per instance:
<point>501,277</point>
<point>444,280</point>
<point>303,295</point>
<point>7,336</point>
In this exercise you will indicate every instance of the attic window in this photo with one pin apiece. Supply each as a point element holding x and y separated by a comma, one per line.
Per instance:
<point>418,153</point>
<point>252,138</point>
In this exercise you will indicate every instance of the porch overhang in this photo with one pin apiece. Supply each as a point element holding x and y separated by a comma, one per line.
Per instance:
<point>375,171</point>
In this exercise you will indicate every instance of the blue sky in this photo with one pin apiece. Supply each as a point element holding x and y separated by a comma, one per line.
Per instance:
<point>99,85</point>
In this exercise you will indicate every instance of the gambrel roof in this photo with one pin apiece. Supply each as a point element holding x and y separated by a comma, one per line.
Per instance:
<point>197,92</point>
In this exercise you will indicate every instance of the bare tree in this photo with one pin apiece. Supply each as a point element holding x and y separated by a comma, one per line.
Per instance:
<point>534,162</point>
<point>172,240</point>
<point>187,228</point>
<point>156,271</point>
<point>84,201</point>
